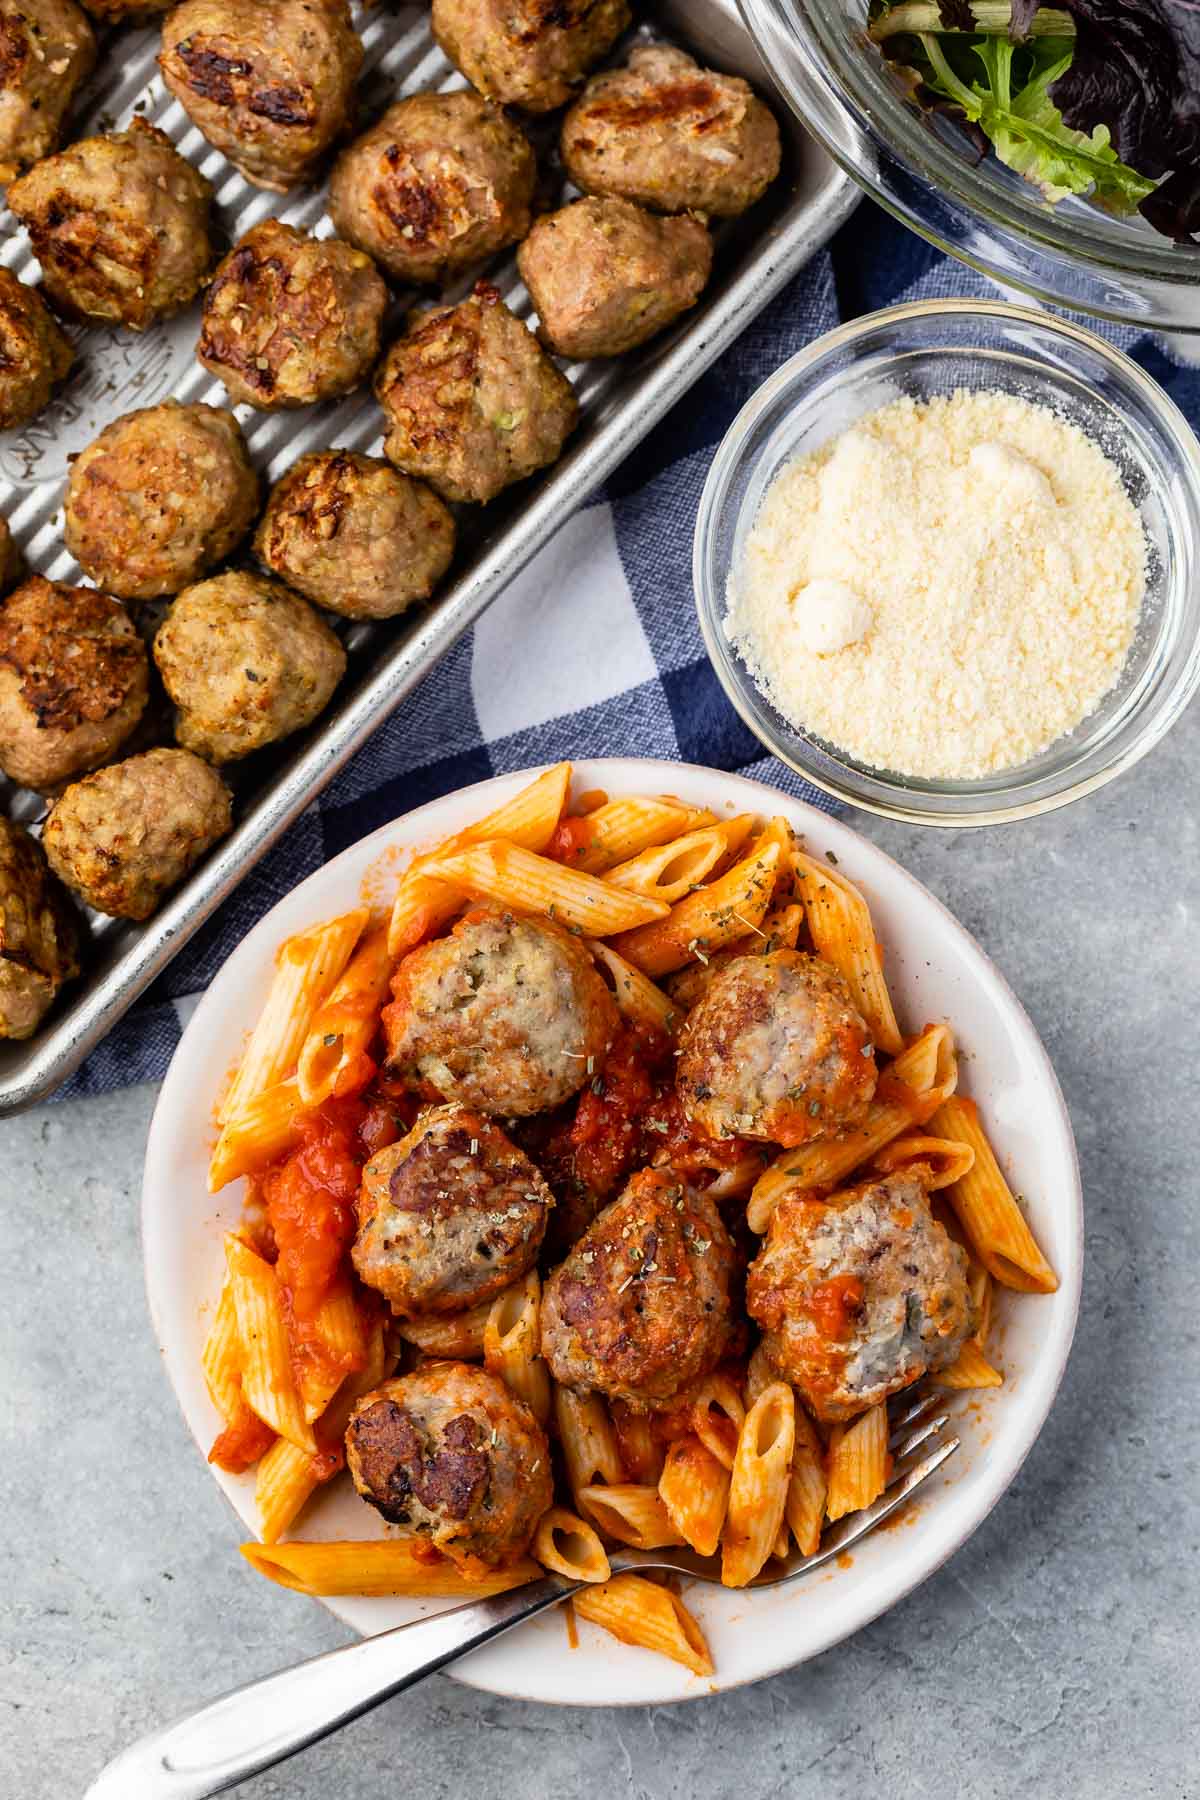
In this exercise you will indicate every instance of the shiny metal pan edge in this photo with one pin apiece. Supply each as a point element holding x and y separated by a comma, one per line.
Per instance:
<point>621,402</point>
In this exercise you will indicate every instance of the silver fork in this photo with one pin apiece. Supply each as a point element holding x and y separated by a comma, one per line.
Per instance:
<point>255,1726</point>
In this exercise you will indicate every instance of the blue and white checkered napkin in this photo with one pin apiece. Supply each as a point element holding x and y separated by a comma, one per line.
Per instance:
<point>594,650</point>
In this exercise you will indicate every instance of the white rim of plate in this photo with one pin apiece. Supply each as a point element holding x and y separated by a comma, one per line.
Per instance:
<point>902,1573</point>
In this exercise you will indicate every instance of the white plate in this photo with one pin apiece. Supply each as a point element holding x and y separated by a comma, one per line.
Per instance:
<point>936,971</point>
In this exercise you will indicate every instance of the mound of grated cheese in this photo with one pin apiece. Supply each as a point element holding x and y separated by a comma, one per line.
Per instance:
<point>946,588</point>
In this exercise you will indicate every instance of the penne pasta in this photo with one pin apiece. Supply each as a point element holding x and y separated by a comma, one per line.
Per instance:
<point>637,998</point>
<point>758,1485</point>
<point>896,1108</point>
<point>717,1415</point>
<point>567,1545</point>
<point>333,1057</point>
<point>502,871</point>
<point>640,1448</point>
<point>642,1613</point>
<point>339,1329</point>
<point>708,919</point>
<point>380,1566</point>
<point>621,829</point>
<point>221,1357</point>
<point>671,870</point>
<point>511,1340</point>
<point>306,968</point>
<point>759,1373</point>
<point>265,1129</point>
<point>941,1160</point>
<point>285,1480</point>
<point>267,1385</point>
<point>858,1462</point>
<point>992,1221</point>
<point>460,1335</point>
<point>631,1513</point>
<point>589,1444</point>
<point>694,1490</point>
<point>839,923</point>
<point>423,904</point>
<point>808,1486</point>
<point>970,1369</point>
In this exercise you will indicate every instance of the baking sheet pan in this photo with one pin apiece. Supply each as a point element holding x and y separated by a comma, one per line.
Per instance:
<point>120,370</point>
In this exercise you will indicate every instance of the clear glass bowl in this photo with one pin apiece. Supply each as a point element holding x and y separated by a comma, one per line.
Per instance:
<point>934,347</point>
<point>927,172</point>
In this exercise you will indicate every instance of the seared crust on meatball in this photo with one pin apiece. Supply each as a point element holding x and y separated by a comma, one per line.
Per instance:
<point>672,136</point>
<point>606,275</point>
<point>119,224</point>
<point>641,1306</point>
<point>11,562</point>
<point>443,181</point>
<point>269,82</point>
<point>158,498</point>
<point>450,1215</point>
<point>774,1049</point>
<point>472,399</point>
<point>352,534</point>
<point>290,319</point>
<point>529,53</point>
<point>123,837</point>
<point>859,1295</point>
<point>115,12</point>
<point>47,52</point>
<point>34,354</point>
<point>449,1454</point>
<point>507,1014</point>
<point>73,681</point>
<point>39,935</point>
<point>246,662</point>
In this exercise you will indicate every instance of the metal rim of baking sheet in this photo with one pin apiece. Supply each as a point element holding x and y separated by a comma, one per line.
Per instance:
<point>621,401</point>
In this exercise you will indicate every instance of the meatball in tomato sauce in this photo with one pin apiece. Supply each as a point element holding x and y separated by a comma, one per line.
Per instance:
<point>775,1049</point>
<point>641,1306</point>
<point>450,1455</point>
<point>859,1295</point>
<point>507,1014</point>
<point>449,1215</point>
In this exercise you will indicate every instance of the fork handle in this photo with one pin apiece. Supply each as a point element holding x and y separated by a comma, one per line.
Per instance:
<point>256,1726</point>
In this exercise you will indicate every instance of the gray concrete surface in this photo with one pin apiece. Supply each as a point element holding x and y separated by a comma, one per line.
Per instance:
<point>1054,1656</point>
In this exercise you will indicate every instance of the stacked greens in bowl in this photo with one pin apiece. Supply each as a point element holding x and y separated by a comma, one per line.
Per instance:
<point>1099,98</point>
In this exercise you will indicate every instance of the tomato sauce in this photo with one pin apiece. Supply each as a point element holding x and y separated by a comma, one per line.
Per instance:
<point>241,1443</point>
<point>834,1305</point>
<point>605,1137</point>
<point>571,840</point>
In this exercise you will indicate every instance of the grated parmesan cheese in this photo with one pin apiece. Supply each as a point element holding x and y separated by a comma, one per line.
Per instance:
<point>946,588</point>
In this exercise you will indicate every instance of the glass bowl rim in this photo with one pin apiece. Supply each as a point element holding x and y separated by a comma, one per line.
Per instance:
<point>897,803</point>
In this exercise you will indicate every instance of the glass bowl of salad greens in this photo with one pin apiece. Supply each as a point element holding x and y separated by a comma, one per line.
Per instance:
<point>1054,147</point>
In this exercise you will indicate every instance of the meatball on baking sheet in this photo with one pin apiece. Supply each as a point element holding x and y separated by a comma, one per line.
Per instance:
<point>316,400</point>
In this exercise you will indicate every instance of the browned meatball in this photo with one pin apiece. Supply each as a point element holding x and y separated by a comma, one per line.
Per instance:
<point>11,562</point>
<point>350,533</point>
<point>115,12</point>
<point>246,662</point>
<point>530,53</point>
<point>289,319</point>
<point>34,354</point>
<point>774,1049</point>
<point>673,136</point>
<point>507,1014</point>
<point>641,1307</point>
<point>47,52</point>
<point>73,681</point>
<point>860,1294</point>
<point>443,181</point>
<point>119,224</point>
<point>123,837</point>
<point>449,1454</point>
<point>39,936</point>
<point>472,399</point>
<point>450,1215</point>
<point>159,497</point>
<point>605,275</point>
<point>269,82</point>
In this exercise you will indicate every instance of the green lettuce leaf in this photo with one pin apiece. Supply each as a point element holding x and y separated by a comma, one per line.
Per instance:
<point>1025,127</point>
